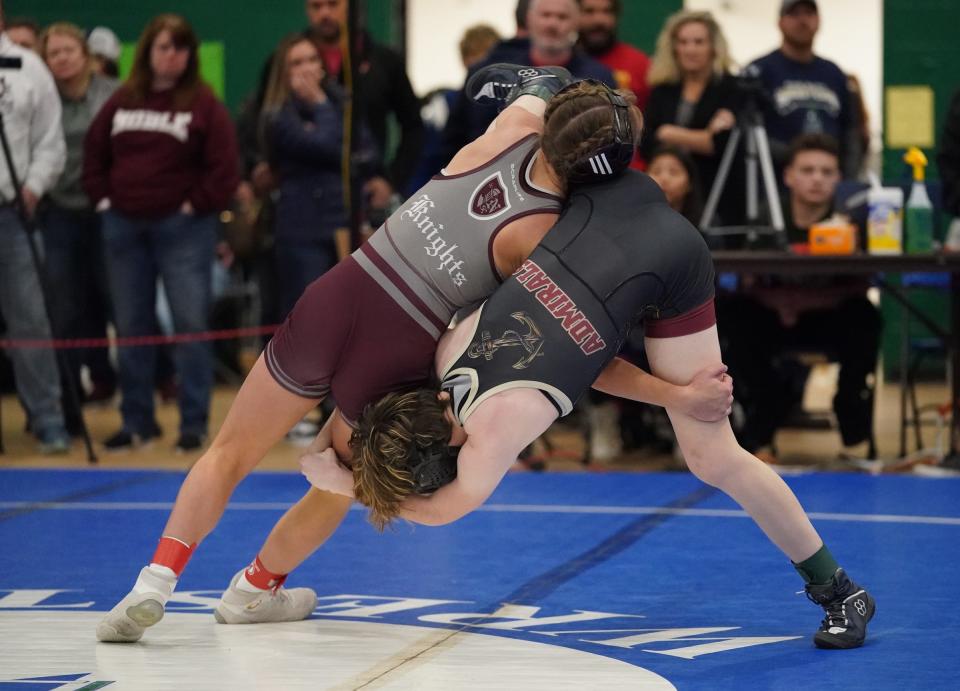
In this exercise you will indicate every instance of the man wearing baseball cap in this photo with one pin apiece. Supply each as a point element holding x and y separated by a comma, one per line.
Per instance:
<point>806,93</point>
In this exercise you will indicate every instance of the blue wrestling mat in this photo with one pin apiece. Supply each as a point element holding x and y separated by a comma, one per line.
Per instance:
<point>630,580</point>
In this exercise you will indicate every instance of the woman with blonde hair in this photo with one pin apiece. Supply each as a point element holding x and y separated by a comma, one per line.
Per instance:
<point>694,96</point>
<point>72,236</point>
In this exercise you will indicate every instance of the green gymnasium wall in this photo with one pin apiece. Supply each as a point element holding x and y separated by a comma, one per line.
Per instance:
<point>920,46</point>
<point>642,20</point>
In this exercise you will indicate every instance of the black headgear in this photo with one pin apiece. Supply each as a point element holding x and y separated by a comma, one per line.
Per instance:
<point>611,159</point>
<point>433,467</point>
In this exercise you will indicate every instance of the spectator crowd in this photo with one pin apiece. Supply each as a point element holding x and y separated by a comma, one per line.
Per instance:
<point>144,189</point>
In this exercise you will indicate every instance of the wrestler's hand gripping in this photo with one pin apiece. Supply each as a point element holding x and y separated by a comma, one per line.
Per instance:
<point>324,471</point>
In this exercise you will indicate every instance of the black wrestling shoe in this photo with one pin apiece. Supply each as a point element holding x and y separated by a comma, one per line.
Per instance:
<point>502,83</point>
<point>849,607</point>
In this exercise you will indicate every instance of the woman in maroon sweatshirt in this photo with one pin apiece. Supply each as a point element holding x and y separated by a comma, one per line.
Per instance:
<point>160,161</point>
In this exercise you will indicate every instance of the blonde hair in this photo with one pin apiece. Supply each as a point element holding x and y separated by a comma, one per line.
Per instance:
<point>477,41</point>
<point>664,68</point>
<point>278,82</point>
<point>277,90</point>
<point>72,31</point>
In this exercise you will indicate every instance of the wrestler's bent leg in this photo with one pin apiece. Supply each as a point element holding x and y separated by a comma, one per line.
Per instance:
<point>261,415</point>
<point>714,456</point>
<point>255,596</point>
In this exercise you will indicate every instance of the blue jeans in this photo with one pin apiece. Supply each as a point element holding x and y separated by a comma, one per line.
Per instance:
<point>177,249</point>
<point>298,265</point>
<point>73,242</point>
<point>21,302</point>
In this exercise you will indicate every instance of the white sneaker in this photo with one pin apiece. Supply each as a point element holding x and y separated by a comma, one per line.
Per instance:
<point>266,606</point>
<point>606,443</point>
<point>126,622</point>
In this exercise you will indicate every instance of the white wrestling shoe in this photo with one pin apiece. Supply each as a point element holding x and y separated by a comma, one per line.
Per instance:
<point>263,607</point>
<point>141,608</point>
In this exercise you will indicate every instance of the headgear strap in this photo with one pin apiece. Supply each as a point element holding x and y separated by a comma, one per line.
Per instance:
<point>433,467</point>
<point>612,158</point>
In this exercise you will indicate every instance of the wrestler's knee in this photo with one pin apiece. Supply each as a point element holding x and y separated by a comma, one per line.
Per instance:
<point>228,465</point>
<point>713,461</point>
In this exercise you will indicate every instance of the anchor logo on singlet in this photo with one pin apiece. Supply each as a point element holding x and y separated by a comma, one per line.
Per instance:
<point>531,342</point>
<point>490,199</point>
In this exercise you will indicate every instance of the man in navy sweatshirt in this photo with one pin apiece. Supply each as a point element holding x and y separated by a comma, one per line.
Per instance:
<point>805,94</point>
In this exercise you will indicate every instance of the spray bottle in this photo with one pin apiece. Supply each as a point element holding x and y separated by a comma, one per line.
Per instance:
<point>919,211</point>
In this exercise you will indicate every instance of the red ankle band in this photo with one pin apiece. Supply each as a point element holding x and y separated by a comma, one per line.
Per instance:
<point>258,576</point>
<point>173,553</point>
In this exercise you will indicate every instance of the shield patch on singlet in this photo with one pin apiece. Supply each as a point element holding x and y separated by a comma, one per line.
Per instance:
<point>490,199</point>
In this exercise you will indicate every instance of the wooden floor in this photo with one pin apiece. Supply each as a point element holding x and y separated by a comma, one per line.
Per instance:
<point>796,447</point>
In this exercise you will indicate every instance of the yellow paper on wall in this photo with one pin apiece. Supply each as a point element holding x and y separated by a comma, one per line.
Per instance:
<point>910,117</point>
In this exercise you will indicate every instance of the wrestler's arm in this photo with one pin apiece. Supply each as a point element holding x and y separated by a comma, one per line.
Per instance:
<point>498,431</point>
<point>324,438</point>
<point>480,467</point>
<point>523,117</point>
<point>707,396</point>
<point>525,112</point>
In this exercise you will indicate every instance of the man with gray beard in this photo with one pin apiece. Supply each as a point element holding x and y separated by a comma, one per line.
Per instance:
<point>551,37</point>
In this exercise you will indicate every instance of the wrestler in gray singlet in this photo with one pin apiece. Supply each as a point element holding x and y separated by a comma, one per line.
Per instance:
<point>434,255</point>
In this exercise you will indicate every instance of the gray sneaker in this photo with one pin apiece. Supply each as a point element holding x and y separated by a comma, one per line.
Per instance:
<point>275,605</point>
<point>54,440</point>
<point>126,622</point>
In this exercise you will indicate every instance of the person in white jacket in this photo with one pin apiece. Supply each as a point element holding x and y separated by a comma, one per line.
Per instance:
<point>31,117</point>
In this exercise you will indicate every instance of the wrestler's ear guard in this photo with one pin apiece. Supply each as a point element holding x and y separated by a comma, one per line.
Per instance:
<point>611,159</point>
<point>433,467</point>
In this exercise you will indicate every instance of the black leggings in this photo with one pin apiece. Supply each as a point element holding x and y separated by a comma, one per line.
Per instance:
<point>754,343</point>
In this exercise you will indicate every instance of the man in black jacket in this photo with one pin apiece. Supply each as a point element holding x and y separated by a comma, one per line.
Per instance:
<point>384,88</point>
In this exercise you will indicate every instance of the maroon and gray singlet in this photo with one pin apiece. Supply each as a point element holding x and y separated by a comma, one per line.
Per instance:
<point>369,326</point>
<point>618,256</point>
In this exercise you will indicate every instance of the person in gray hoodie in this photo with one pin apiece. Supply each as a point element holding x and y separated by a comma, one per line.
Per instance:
<point>71,228</point>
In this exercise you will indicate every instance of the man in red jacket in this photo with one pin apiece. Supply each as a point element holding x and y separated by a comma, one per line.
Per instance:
<point>598,38</point>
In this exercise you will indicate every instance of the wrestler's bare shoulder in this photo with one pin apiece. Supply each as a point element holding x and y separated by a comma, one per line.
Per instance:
<point>511,414</point>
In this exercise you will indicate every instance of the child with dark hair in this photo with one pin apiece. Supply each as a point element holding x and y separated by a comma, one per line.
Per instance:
<point>673,169</point>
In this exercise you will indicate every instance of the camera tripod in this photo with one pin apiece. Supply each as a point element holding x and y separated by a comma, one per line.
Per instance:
<point>751,134</point>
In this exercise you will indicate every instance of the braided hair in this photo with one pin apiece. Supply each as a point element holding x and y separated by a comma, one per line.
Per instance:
<point>386,438</point>
<point>579,121</point>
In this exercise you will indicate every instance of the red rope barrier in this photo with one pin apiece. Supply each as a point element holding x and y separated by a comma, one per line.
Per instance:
<point>158,339</point>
